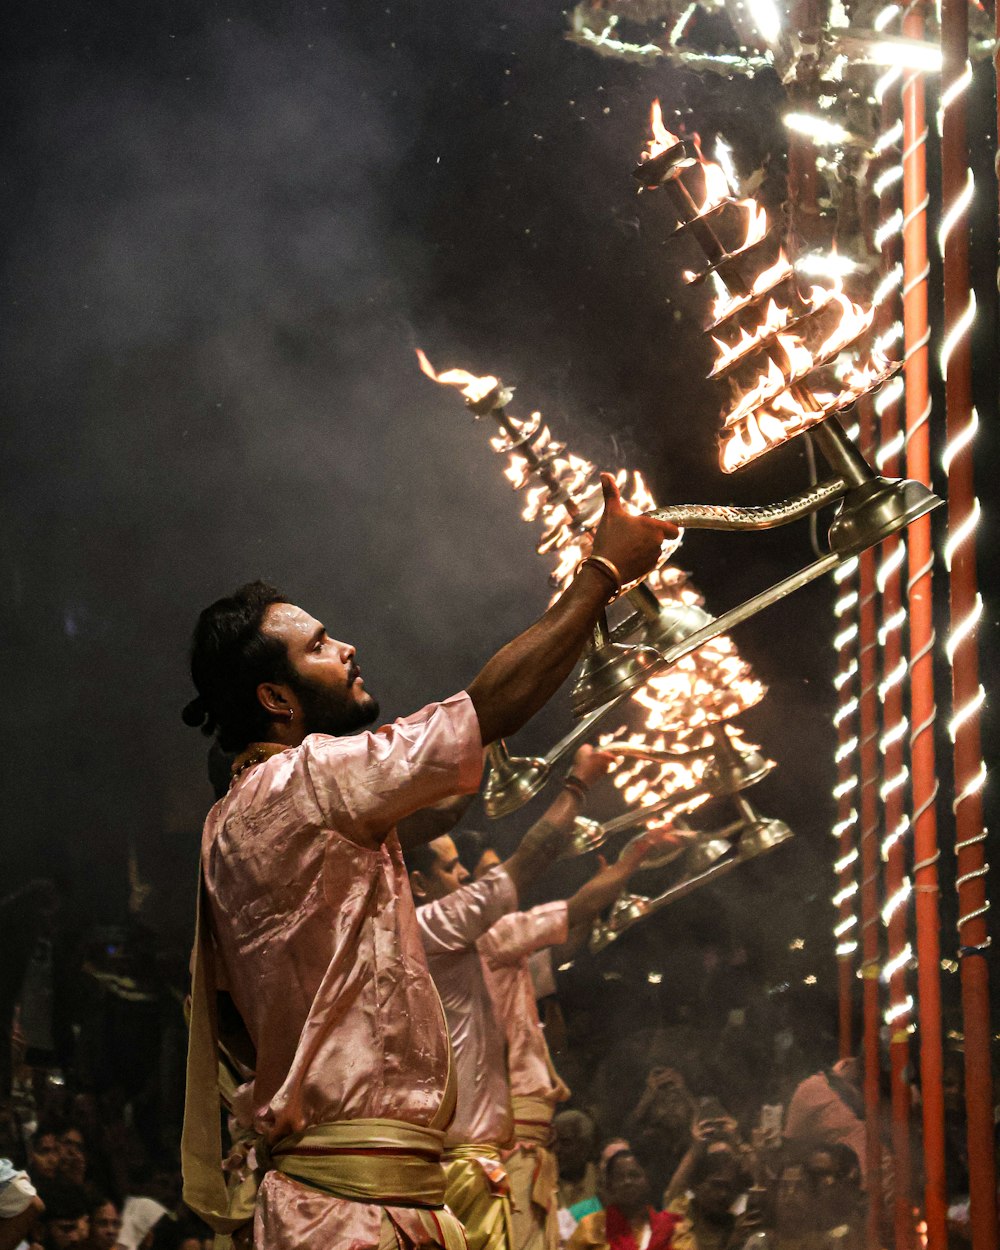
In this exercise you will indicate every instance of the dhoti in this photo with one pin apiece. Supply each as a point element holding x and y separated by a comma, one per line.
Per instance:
<point>477,1191</point>
<point>534,1177</point>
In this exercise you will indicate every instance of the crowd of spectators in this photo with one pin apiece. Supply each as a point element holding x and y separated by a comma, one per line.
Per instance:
<point>705,1118</point>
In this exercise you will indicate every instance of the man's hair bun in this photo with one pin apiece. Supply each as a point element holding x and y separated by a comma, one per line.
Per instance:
<point>197,715</point>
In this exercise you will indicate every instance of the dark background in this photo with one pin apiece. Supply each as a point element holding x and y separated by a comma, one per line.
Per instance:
<point>228,225</point>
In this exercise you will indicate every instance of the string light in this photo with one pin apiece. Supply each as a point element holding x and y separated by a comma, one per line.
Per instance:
<point>897,964</point>
<point>842,865</point>
<point>843,895</point>
<point>899,1010</point>
<point>889,284</point>
<point>959,635</point>
<point>888,138</point>
<point>899,899</point>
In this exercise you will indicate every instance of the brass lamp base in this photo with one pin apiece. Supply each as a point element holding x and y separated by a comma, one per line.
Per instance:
<point>588,835</point>
<point>705,853</point>
<point>512,781</point>
<point>877,509</point>
<point>761,836</point>
<point>659,625</point>
<point>730,769</point>
<point>608,672</point>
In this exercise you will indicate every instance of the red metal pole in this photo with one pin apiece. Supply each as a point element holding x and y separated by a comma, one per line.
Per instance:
<point>923,768</point>
<point>963,648</point>
<point>894,772</point>
<point>869,842</point>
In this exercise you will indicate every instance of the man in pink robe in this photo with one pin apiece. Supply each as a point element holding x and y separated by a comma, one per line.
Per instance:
<point>477,948</point>
<point>307,925</point>
<point>535,1086</point>
<point>452,917</point>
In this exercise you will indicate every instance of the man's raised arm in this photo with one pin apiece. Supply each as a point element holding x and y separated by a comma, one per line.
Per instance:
<point>524,674</point>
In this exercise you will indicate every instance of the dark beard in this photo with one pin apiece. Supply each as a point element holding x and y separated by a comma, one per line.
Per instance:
<point>336,713</point>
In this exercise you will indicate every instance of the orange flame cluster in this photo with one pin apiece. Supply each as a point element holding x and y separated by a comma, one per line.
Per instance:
<point>717,191</point>
<point>770,350</point>
<point>681,706</point>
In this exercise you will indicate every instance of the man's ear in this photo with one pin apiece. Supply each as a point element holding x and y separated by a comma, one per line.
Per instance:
<point>418,886</point>
<point>273,699</point>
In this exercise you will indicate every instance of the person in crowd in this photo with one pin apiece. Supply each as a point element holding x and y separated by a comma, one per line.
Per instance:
<point>574,1143</point>
<point>535,1087</point>
<point>713,1126</point>
<point>834,1173</point>
<point>140,1219</point>
<point>194,1235</point>
<point>659,1126</point>
<point>828,1107</point>
<point>105,1223</point>
<point>817,1203</point>
<point>453,915</point>
<point>44,1154</point>
<point>122,1148</point>
<point>475,853</point>
<point>20,1205</point>
<point>306,919</point>
<point>64,1222</point>
<point>628,1220</point>
<point>73,1154</point>
<point>708,1211</point>
<point>13,1142</point>
<point>795,1224</point>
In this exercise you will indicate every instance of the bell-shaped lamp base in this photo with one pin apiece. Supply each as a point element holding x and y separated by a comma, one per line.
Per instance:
<point>760,836</point>
<point>512,782</point>
<point>877,509</point>
<point>706,852</point>
<point>587,836</point>
<point>731,770</point>
<point>672,624</point>
<point>608,672</point>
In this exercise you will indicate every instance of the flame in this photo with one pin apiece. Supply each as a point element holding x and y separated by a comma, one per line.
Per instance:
<point>679,706</point>
<point>790,339</point>
<point>728,304</point>
<point>787,344</point>
<point>473,388</point>
<point>756,223</point>
<point>661,138</point>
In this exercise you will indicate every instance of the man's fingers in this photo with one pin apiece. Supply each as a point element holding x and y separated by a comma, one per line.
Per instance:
<point>612,495</point>
<point>667,528</point>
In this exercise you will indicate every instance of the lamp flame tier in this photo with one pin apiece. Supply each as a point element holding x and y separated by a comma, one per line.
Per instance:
<point>781,352</point>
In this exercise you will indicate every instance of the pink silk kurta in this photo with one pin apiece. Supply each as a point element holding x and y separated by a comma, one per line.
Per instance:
<point>505,950</point>
<point>317,943</point>
<point>450,929</point>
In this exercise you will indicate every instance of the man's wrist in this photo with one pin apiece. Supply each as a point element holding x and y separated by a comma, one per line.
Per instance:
<point>574,784</point>
<point>607,570</point>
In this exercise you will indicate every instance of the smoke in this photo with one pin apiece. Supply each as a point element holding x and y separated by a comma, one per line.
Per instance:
<point>226,237</point>
<point>212,378</point>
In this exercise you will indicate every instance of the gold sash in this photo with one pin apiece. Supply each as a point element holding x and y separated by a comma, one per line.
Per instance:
<point>478,1193</point>
<point>382,1161</point>
<point>385,1162</point>
<point>533,1120</point>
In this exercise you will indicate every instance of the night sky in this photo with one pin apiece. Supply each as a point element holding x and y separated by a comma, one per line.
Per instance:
<point>228,226</point>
